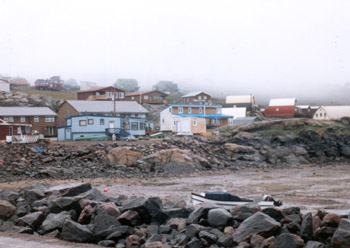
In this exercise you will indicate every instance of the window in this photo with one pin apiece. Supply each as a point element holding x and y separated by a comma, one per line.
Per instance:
<point>134,126</point>
<point>36,118</point>
<point>132,115</point>
<point>145,97</point>
<point>109,94</point>
<point>10,119</point>
<point>194,123</point>
<point>199,97</point>
<point>142,126</point>
<point>126,125</point>
<point>169,110</point>
<point>91,121</point>
<point>49,119</point>
<point>102,121</point>
<point>230,121</point>
<point>23,119</point>
<point>324,114</point>
<point>277,109</point>
<point>141,115</point>
<point>316,115</point>
<point>218,110</point>
<point>27,129</point>
<point>205,97</point>
<point>82,123</point>
<point>213,121</point>
<point>174,123</point>
<point>19,130</point>
<point>6,119</point>
<point>51,131</point>
<point>181,110</point>
<point>189,110</point>
<point>320,114</point>
<point>116,94</point>
<point>132,98</point>
<point>200,110</point>
<point>121,94</point>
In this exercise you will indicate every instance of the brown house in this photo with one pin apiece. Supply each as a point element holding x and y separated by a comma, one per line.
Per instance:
<point>101,93</point>
<point>122,108</point>
<point>7,129</point>
<point>19,83</point>
<point>42,119</point>
<point>198,97</point>
<point>151,97</point>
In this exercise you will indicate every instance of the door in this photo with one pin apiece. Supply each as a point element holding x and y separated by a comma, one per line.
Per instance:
<point>111,124</point>
<point>51,132</point>
<point>68,134</point>
<point>177,123</point>
<point>11,131</point>
<point>185,127</point>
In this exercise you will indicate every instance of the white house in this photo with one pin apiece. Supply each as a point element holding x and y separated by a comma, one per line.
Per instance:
<point>283,102</point>
<point>332,112</point>
<point>4,85</point>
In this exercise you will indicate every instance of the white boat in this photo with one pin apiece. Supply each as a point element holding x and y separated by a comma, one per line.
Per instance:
<point>225,199</point>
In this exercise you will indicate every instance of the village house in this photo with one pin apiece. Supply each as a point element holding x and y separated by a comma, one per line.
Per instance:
<point>243,101</point>
<point>42,119</point>
<point>19,83</point>
<point>332,112</point>
<point>101,93</point>
<point>101,127</point>
<point>151,97</point>
<point>121,108</point>
<point>54,83</point>
<point>283,108</point>
<point>4,86</point>
<point>195,118</point>
<point>198,97</point>
<point>7,129</point>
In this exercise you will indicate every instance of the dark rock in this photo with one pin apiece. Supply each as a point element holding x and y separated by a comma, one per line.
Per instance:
<point>147,208</point>
<point>6,209</point>
<point>306,229</point>
<point>33,220</point>
<point>7,226</point>
<point>324,233</point>
<point>104,225</point>
<point>75,232</point>
<point>199,213</point>
<point>193,229</point>
<point>341,236</point>
<point>130,218</point>
<point>120,232</point>
<point>331,220</point>
<point>226,241</point>
<point>292,218</point>
<point>85,215</point>
<point>274,213</point>
<point>107,208</point>
<point>60,204</point>
<point>268,242</point>
<point>154,238</point>
<point>178,212</point>
<point>106,243</point>
<point>290,211</point>
<point>152,229</point>
<point>243,212</point>
<point>287,240</point>
<point>293,227</point>
<point>219,217</point>
<point>9,195</point>
<point>72,189</point>
<point>32,195</point>
<point>24,229</point>
<point>194,243</point>
<point>314,244</point>
<point>256,240</point>
<point>177,223</point>
<point>92,195</point>
<point>258,223</point>
<point>207,236</point>
<point>132,241</point>
<point>55,221</point>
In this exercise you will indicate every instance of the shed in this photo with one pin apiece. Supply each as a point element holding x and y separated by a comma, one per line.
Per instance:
<point>280,111</point>
<point>192,125</point>
<point>332,112</point>
<point>246,101</point>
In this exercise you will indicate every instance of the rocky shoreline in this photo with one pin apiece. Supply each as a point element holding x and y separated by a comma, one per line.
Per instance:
<point>79,213</point>
<point>172,156</point>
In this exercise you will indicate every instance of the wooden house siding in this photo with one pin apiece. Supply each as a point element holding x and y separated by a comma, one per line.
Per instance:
<point>65,110</point>
<point>101,94</point>
<point>198,99</point>
<point>153,97</point>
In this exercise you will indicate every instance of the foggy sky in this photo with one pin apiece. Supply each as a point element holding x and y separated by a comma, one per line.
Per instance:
<point>228,47</point>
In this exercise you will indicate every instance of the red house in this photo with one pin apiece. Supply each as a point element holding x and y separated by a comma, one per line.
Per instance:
<point>7,129</point>
<point>53,84</point>
<point>284,108</point>
<point>101,94</point>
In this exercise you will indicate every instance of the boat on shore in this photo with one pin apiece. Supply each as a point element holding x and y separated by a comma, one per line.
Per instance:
<point>225,199</point>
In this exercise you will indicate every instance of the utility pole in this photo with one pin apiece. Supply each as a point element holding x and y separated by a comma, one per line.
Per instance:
<point>114,111</point>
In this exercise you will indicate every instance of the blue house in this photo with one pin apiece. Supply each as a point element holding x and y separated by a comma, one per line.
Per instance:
<point>102,127</point>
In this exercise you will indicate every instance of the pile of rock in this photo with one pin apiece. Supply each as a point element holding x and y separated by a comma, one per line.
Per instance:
<point>172,156</point>
<point>79,213</point>
<point>21,99</point>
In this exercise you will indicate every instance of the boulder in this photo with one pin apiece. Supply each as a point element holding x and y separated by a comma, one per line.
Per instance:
<point>210,238</point>
<point>274,213</point>
<point>120,232</point>
<point>76,232</point>
<point>6,209</point>
<point>226,241</point>
<point>146,208</point>
<point>60,204</point>
<point>193,229</point>
<point>123,156</point>
<point>314,244</point>
<point>231,148</point>
<point>33,220</point>
<point>331,220</point>
<point>287,240</point>
<point>306,229</point>
<point>72,189</point>
<point>104,225</point>
<point>199,213</point>
<point>108,208</point>
<point>341,236</point>
<point>259,223</point>
<point>9,195</point>
<point>219,217</point>
<point>243,212</point>
<point>129,217</point>
<point>55,221</point>
<point>85,215</point>
<point>32,195</point>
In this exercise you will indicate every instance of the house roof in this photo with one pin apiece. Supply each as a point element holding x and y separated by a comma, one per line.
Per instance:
<point>5,81</point>
<point>336,112</point>
<point>303,106</point>
<point>283,102</point>
<point>107,106</point>
<point>26,111</point>
<point>98,88</point>
<point>195,93</point>
<point>239,99</point>
<point>137,93</point>
<point>209,116</point>
<point>244,120</point>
